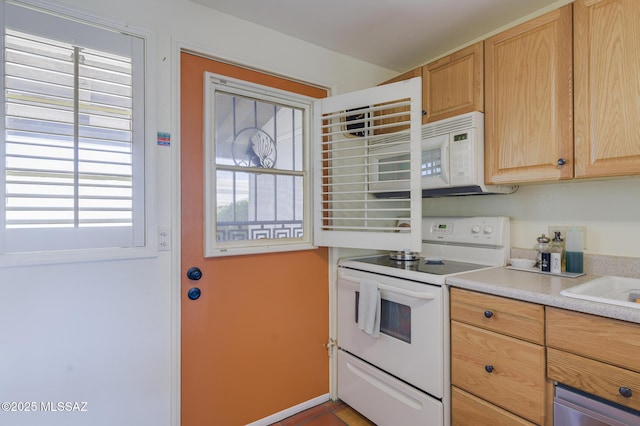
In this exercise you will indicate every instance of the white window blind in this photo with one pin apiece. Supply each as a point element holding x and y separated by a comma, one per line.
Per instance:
<point>350,129</point>
<point>73,135</point>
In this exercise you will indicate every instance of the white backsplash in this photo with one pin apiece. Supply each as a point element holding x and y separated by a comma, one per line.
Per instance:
<point>610,210</point>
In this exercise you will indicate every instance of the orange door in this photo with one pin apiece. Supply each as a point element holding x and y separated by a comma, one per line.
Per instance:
<point>253,342</point>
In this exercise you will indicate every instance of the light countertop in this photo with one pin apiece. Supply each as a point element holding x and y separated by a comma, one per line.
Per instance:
<point>538,288</point>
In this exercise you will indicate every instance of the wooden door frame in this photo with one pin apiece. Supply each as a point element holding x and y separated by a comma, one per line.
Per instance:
<point>178,47</point>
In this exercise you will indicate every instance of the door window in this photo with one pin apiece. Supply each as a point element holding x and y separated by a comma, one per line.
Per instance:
<point>257,179</point>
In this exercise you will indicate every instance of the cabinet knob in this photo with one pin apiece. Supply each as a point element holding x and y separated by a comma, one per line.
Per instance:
<point>488,313</point>
<point>626,392</point>
<point>424,112</point>
<point>488,368</point>
<point>561,162</point>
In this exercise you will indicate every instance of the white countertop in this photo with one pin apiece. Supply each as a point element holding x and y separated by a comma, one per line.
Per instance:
<point>538,288</point>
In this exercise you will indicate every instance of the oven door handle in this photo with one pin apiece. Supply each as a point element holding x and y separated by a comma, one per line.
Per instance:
<point>397,290</point>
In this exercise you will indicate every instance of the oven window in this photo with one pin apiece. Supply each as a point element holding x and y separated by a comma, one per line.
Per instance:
<point>395,319</point>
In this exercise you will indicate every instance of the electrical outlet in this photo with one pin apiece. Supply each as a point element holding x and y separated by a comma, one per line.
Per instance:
<point>563,232</point>
<point>164,239</point>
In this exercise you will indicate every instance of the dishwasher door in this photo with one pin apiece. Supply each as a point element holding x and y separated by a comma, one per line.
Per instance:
<point>574,408</point>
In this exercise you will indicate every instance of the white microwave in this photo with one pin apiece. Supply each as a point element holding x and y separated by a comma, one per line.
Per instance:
<point>452,161</point>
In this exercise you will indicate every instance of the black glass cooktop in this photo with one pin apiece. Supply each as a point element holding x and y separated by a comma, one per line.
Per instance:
<point>427,266</point>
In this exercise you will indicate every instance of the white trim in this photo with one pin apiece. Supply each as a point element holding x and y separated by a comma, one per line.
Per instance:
<point>176,238</point>
<point>332,350</point>
<point>82,16</point>
<point>291,411</point>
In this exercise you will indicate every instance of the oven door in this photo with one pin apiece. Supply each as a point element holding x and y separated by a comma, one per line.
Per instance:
<point>411,343</point>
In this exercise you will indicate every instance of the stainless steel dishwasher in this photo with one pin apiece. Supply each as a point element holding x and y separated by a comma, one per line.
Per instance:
<point>575,408</point>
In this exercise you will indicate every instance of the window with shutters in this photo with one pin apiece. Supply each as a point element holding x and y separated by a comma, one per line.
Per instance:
<point>73,135</point>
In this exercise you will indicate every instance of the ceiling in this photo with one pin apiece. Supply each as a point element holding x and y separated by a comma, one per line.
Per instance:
<point>394,34</point>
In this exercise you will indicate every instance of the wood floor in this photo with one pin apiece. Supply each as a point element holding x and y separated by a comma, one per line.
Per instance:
<point>331,413</point>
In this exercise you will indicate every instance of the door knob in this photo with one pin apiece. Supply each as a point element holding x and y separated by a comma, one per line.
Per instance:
<point>194,273</point>
<point>194,293</point>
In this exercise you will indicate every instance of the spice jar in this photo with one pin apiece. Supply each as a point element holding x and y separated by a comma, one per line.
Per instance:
<point>544,257</point>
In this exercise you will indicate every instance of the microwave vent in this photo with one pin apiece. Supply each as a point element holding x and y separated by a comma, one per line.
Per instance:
<point>451,125</point>
<point>458,123</point>
<point>389,139</point>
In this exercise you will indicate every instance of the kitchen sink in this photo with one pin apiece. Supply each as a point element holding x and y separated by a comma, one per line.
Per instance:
<point>608,289</point>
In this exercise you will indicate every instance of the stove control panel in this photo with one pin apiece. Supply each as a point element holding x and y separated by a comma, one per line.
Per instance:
<point>492,231</point>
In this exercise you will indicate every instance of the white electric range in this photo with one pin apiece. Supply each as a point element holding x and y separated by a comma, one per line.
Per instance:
<point>400,373</point>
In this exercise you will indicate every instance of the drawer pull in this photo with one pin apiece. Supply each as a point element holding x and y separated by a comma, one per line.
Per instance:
<point>626,392</point>
<point>488,313</point>
<point>489,369</point>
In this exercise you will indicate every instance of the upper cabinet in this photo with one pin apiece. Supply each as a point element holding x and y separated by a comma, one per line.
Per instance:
<point>453,85</point>
<point>607,88</point>
<point>528,101</point>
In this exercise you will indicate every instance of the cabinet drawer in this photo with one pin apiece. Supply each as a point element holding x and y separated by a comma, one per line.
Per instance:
<point>467,409</point>
<point>612,341</point>
<point>505,371</point>
<point>506,316</point>
<point>594,377</point>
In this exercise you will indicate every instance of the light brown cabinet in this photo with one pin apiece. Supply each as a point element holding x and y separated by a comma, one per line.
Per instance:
<point>600,356</point>
<point>529,101</point>
<point>453,84</point>
<point>497,359</point>
<point>607,88</point>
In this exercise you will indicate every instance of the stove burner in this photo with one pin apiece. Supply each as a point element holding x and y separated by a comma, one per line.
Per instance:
<point>404,256</point>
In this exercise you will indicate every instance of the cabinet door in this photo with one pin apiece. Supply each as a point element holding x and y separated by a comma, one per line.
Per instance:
<point>504,371</point>
<point>528,101</point>
<point>607,88</point>
<point>467,409</point>
<point>453,85</point>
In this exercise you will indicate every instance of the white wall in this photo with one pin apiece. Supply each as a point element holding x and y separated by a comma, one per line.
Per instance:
<point>610,209</point>
<point>104,332</point>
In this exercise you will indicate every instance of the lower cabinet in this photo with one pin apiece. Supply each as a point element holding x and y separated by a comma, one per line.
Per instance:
<point>470,410</point>
<point>599,356</point>
<point>498,364</point>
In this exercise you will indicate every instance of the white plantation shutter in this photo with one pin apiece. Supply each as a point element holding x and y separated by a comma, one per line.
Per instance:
<point>73,172</point>
<point>349,128</point>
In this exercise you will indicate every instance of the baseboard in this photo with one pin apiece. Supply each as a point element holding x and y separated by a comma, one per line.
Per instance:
<point>291,411</point>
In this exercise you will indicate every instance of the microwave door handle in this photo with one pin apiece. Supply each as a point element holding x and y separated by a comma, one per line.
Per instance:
<point>397,290</point>
<point>444,155</point>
